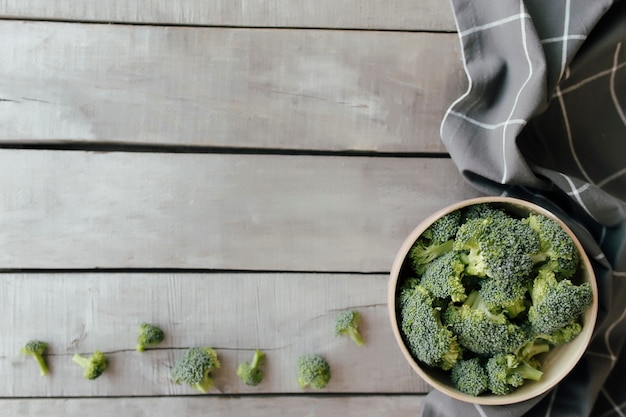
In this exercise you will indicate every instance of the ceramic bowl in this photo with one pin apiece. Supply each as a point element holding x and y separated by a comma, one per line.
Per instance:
<point>557,363</point>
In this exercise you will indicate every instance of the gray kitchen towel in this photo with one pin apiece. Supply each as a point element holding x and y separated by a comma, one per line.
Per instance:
<point>543,119</point>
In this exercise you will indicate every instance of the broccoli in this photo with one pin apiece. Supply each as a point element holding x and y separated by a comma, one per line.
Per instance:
<point>444,228</point>
<point>250,373</point>
<point>428,340</point>
<point>443,277</point>
<point>93,366</point>
<point>149,336</point>
<point>497,247</point>
<point>527,353</point>
<point>36,349</point>
<point>194,368</point>
<point>562,335</point>
<point>557,251</point>
<point>313,371</point>
<point>347,323</point>
<point>556,304</point>
<point>507,296</point>
<point>469,376</point>
<point>481,331</point>
<point>481,211</point>
<point>486,298</point>
<point>506,372</point>
<point>424,251</point>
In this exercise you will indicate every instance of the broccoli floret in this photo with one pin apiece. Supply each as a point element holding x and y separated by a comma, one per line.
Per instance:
<point>563,335</point>
<point>482,211</point>
<point>508,296</point>
<point>481,331</point>
<point>444,228</point>
<point>93,366</point>
<point>194,368</point>
<point>530,349</point>
<point>443,277</point>
<point>428,340</point>
<point>557,250</point>
<point>149,336</point>
<point>36,349</point>
<point>556,304</point>
<point>506,372</point>
<point>250,373</point>
<point>313,371</point>
<point>469,376</point>
<point>497,247</point>
<point>347,323</point>
<point>424,252</point>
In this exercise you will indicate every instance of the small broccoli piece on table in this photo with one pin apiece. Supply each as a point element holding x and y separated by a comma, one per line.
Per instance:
<point>443,277</point>
<point>347,323</point>
<point>470,377</point>
<point>428,340</point>
<point>250,373</point>
<point>557,251</point>
<point>497,247</point>
<point>36,349</point>
<point>507,296</point>
<point>313,371</point>
<point>506,372</point>
<point>556,304</point>
<point>149,336</point>
<point>93,366</point>
<point>194,368</point>
<point>481,331</point>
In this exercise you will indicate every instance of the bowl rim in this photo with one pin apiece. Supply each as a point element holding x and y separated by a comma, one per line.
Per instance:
<point>590,316</point>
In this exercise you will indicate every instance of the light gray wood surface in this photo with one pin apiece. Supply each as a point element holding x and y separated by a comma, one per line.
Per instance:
<point>73,209</point>
<point>352,14</point>
<point>285,315</point>
<point>304,406</point>
<point>234,171</point>
<point>250,88</point>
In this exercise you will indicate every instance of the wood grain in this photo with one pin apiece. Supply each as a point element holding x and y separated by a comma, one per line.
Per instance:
<point>286,315</point>
<point>352,14</point>
<point>305,406</point>
<point>71,209</point>
<point>242,88</point>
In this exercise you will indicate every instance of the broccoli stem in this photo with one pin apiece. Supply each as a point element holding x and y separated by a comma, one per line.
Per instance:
<point>355,336</point>
<point>43,367</point>
<point>80,360</point>
<point>205,384</point>
<point>528,372</point>
<point>256,359</point>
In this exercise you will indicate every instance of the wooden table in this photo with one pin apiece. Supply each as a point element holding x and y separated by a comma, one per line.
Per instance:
<point>234,171</point>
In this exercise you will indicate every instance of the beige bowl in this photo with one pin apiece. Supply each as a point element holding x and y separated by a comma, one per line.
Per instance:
<point>557,363</point>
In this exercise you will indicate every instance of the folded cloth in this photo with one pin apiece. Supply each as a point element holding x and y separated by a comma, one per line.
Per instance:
<point>543,119</point>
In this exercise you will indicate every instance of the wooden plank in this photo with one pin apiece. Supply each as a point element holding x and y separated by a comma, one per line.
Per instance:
<point>286,315</point>
<point>349,406</point>
<point>287,89</point>
<point>72,209</point>
<point>354,14</point>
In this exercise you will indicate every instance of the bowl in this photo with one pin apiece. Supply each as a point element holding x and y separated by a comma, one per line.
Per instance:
<point>557,363</point>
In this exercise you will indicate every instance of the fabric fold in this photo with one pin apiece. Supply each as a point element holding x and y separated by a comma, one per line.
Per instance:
<point>543,120</point>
